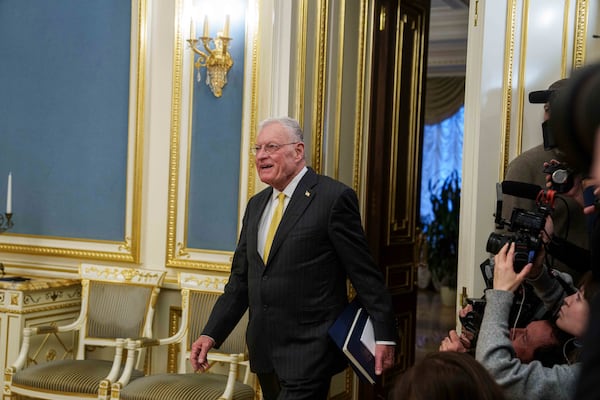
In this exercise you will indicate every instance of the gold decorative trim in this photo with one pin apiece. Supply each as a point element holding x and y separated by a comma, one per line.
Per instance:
<point>173,348</point>
<point>253,105</point>
<point>319,92</point>
<point>393,168</point>
<point>509,48</point>
<point>521,78</point>
<point>178,254</point>
<point>176,98</point>
<point>129,250</point>
<point>208,283</point>
<point>565,38</point>
<point>341,15</point>
<point>117,274</point>
<point>360,95</point>
<point>300,81</point>
<point>581,21</point>
<point>40,309</point>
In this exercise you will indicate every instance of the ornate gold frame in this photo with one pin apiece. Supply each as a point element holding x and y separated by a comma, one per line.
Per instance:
<point>178,254</point>
<point>127,249</point>
<point>578,60</point>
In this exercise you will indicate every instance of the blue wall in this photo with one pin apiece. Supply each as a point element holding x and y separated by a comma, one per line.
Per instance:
<point>215,155</point>
<point>64,98</point>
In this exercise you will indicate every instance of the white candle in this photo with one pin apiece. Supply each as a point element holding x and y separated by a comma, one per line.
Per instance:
<point>9,194</point>
<point>192,29</point>
<point>226,27</point>
<point>205,31</point>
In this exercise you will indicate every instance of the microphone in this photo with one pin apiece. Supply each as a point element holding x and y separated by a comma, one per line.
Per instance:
<point>529,191</point>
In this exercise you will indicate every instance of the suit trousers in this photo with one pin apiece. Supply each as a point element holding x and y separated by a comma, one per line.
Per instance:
<point>274,388</point>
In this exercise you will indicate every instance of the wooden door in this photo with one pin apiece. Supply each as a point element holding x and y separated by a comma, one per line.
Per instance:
<point>393,163</point>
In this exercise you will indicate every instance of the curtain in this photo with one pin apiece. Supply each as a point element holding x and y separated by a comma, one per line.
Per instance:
<point>443,97</point>
<point>442,154</point>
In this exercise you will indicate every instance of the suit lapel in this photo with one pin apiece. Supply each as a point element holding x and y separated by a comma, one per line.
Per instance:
<point>301,198</point>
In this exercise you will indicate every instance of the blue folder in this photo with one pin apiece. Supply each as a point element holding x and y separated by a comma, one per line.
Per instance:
<point>346,332</point>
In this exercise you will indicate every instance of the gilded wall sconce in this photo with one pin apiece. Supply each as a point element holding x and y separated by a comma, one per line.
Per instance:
<point>215,58</point>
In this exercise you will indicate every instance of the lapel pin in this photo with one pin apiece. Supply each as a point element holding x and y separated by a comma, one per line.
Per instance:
<point>307,193</point>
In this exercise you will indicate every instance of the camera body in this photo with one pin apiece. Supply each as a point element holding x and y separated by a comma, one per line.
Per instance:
<point>561,176</point>
<point>525,308</point>
<point>526,227</point>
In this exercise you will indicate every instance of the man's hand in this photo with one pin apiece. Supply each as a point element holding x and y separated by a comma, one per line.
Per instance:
<point>453,342</point>
<point>200,349</point>
<point>384,357</point>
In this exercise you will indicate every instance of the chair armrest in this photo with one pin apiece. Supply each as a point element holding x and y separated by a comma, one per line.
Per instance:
<point>135,345</point>
<point>28,332</point>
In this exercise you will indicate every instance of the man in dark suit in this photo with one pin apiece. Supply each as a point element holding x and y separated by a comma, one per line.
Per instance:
<point>295,286</point>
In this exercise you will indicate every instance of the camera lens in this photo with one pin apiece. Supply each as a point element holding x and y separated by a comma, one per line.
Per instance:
<point>495,242</point>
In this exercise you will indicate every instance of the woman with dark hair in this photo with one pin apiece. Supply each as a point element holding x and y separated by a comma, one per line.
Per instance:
<point>446,376</point>
<point>495,351</point>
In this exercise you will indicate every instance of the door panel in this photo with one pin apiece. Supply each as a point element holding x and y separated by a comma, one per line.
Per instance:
<point>393,163</point>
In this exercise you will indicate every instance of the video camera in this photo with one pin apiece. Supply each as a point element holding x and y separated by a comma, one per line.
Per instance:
<point>526,306</point>
<point>524,226</point>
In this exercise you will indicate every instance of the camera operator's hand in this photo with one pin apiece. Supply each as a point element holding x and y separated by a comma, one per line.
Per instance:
<point>505,277</point>
<point>590,184</point>
<point>537,267</point>
<point>575,192</point>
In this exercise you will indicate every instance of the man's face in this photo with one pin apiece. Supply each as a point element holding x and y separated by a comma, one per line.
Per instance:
<point>535,335</point>
<point>546,111</point>
<point>279,166</point>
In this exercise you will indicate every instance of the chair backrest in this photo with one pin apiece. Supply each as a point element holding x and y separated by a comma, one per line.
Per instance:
<point>199,294</point>
<point>117,303</point>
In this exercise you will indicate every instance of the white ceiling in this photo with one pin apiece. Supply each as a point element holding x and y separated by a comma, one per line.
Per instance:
<point>448,28</point>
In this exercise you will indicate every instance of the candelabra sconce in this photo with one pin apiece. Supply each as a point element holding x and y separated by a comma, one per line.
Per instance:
<point>217,59</point>
<point>6,222</point>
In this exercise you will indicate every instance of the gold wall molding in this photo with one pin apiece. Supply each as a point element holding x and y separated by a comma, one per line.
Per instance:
<point>319,85</point>
<point>581,22</point>
<point>127,250</point>
<point>509,50</point>
<point>178,252</point>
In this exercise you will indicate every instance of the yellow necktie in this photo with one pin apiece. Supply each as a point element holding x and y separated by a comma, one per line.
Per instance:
<point>274,224</point>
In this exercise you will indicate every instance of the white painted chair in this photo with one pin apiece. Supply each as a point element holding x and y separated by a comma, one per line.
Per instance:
<point>224,380</point>
<point>116,303</point>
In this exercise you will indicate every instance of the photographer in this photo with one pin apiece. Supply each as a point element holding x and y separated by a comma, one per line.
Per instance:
<point>529,167</point>
<point>494,348</point>
<point>576,123</point>
<point>539,340</point>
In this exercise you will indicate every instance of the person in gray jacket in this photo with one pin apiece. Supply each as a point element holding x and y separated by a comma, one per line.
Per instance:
<point>494,348</point>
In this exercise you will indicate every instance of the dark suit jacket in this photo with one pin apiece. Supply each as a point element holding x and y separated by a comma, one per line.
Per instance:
<point>295,298</point>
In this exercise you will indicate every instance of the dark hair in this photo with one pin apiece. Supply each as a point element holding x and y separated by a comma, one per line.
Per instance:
<point>447,376</point>
<point>590,286</point>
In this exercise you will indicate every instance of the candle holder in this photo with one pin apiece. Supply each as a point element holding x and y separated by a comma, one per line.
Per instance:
<point>217,61</point>
<point>6,222</point>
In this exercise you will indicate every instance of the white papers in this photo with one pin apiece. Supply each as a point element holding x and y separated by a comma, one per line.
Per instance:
<point>368,337</point>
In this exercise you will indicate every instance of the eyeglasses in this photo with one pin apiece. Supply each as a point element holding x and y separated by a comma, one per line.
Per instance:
<point>268,148</point>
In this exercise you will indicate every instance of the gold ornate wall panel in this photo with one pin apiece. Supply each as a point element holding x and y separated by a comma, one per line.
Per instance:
<point>406,119</point>
<point>187,131</point>
<point>567,47</point>
<point>126,248</point>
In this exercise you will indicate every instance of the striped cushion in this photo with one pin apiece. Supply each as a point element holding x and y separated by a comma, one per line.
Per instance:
<point>183,387</point>
<point>66,376</point>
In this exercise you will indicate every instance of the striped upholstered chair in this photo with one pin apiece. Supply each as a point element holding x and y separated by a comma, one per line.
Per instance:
<point>229,373</point>
<point>116,303</point>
